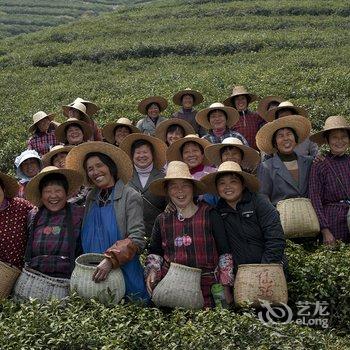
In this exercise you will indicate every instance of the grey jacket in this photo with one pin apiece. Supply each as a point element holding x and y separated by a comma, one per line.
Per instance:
<point>147,126</point>
<point>277,183</point>
<point>128,210</point>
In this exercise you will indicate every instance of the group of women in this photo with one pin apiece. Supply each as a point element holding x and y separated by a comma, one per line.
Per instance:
<point>199,189</point>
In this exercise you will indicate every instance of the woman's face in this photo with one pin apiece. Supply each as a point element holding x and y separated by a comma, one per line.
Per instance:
<point>180,192</point>
<point>192,155</point>
<point>54,197</point>
<point>338,141</point>
<point>120,133</point>
<point>99,173</point>
<point>43,124</point>
<point>233,154</point>
<point>285,141</point>
<point>30,167</point>
<point>153,111</point>
<point>59,160</point>
<point>74,135</point>
<point>172,136</point>
<point>2,195</point>
<point>187,101</point>
<point>73,113</point>
<point>230,188</point>
<point>285,112</point>
<point>217,120</point>
<point>241,102</point>
<point>143,156</point>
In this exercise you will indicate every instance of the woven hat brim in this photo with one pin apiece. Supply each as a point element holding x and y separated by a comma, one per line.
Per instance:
<point>263,104</point>
<point>65,110</point>
<point>202,116</point>
<point>47,157</point>
<point>161,129</point>
<point>61,134</point>
<point>11,186</point>
<point>91,108</point>
<point>271,115</point>
<point>108,131</point>
<point>250,181</point>
<point>228,100</point>
<point>159,157</point>
<point>299,124</point>
<point>51,116</point>
<point>198,97</point>
<point>75,159</point>
<point>319,138</point>
<point>250,159</point>
<point>173,152</point>
<point>161,101</point>
<point>32,191</point>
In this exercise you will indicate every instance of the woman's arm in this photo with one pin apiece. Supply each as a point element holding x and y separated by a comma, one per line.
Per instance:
<point>265,180</point>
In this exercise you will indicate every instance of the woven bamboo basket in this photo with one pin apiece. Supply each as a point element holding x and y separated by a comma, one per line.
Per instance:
<point>298,218</point>
<point>8,277</point>
<point>34,284</point>
<point>180,288</point>
<point>256,282</point>
<point>112,289</point>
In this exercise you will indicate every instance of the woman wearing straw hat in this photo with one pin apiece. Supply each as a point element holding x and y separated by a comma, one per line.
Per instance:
<point>192,235</point>
<point>249,122</point>
<point>172,130</point>
<point>219,120</point>
<point>147,154</point>
<point>252,223</point>
<point>13,217</point>
<point>187,99</point>
<point>73,132</point>
<point>113,220</point>
<point>79,110</point>
<point>267,103</point>
<point>43,130</point>
<point>151,107</point>
<point>329,186</point>
<point>116,132</point>
<point>57,156</point>
<point>28,164</point>
<point>286,174</point>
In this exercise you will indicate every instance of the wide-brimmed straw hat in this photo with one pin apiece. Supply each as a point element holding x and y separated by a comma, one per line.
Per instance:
<point>240,90</point>
<point>61,134</point>
<point>174,150</point>
<point>47,157</point>
<point>197,96</point>
<point>251,157</point>
<point>271,114</point>
<point>299,124</point>
<point>264,103</point>
<point>160,101</point>
<point>32,191</point>
<point>202,115</point>
<point>108,129</point>
<point>250,181</point>
<point>10,185</point>
<point>176,170</point>
<point>91,108</point>
<point>159,147</point>
<point>39,116</point>
<point>332,123</point>
<point>76,157</point>
<point>162,128</point>
<point>77,106</point>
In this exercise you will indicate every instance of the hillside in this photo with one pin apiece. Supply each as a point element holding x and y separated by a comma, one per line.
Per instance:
<point>299,50</point>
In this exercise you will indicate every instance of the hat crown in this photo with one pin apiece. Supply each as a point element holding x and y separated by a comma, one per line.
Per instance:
<point>48,168</point>
<point>335,120</point>
<point>79,105</point>
<point>57,147</point>
<point>192,136</point>
<point>124,120</point>
<point>178,170</point>
<point>286,104</point>
<point>27,154</point>
<point>217,105</point>
<point>229,166</point>
<point>239,90</point>
<point>232,141</point>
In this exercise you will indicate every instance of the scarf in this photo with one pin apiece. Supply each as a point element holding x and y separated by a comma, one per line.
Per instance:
<point>144,174</point>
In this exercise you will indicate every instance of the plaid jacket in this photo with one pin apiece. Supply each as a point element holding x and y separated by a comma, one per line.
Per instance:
<point>43,141</point>
<point>228,133</point>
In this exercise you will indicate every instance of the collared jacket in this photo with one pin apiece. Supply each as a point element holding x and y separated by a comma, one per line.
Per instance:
<point>128,211</point>
<point>277,183</point>
<point>253,229</point>
<point>147,126</point>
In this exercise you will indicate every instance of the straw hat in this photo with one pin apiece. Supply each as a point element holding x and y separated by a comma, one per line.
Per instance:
<point>32,191</point>
<point>159,147</point>
<point>197,96</point>
<point>332,123</point>
<point>271,114</point>
<point>250,181</point>
<point>39,116</point>
<point>60,131</point>
<point>75,159</point>
<point>299,124</point>
<point>251,157</point>
<point>77,106</point>
<point>91,108</point>
<point>202,115</point>
<point>10,185</point>
<point>161,101</point>
<point>47,157</point>
<point>174,153</point>
<point>264,103</point>
<point>162,128</point>
<point>240,90</point>
<point>108,129</point>
<point>175,170</point>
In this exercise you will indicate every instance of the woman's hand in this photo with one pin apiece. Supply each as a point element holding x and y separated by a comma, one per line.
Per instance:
<point>319,158</point>
<point>328,237</point>
<point>150,281</point>
<point>102,270</point>
<point>228,294</point>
